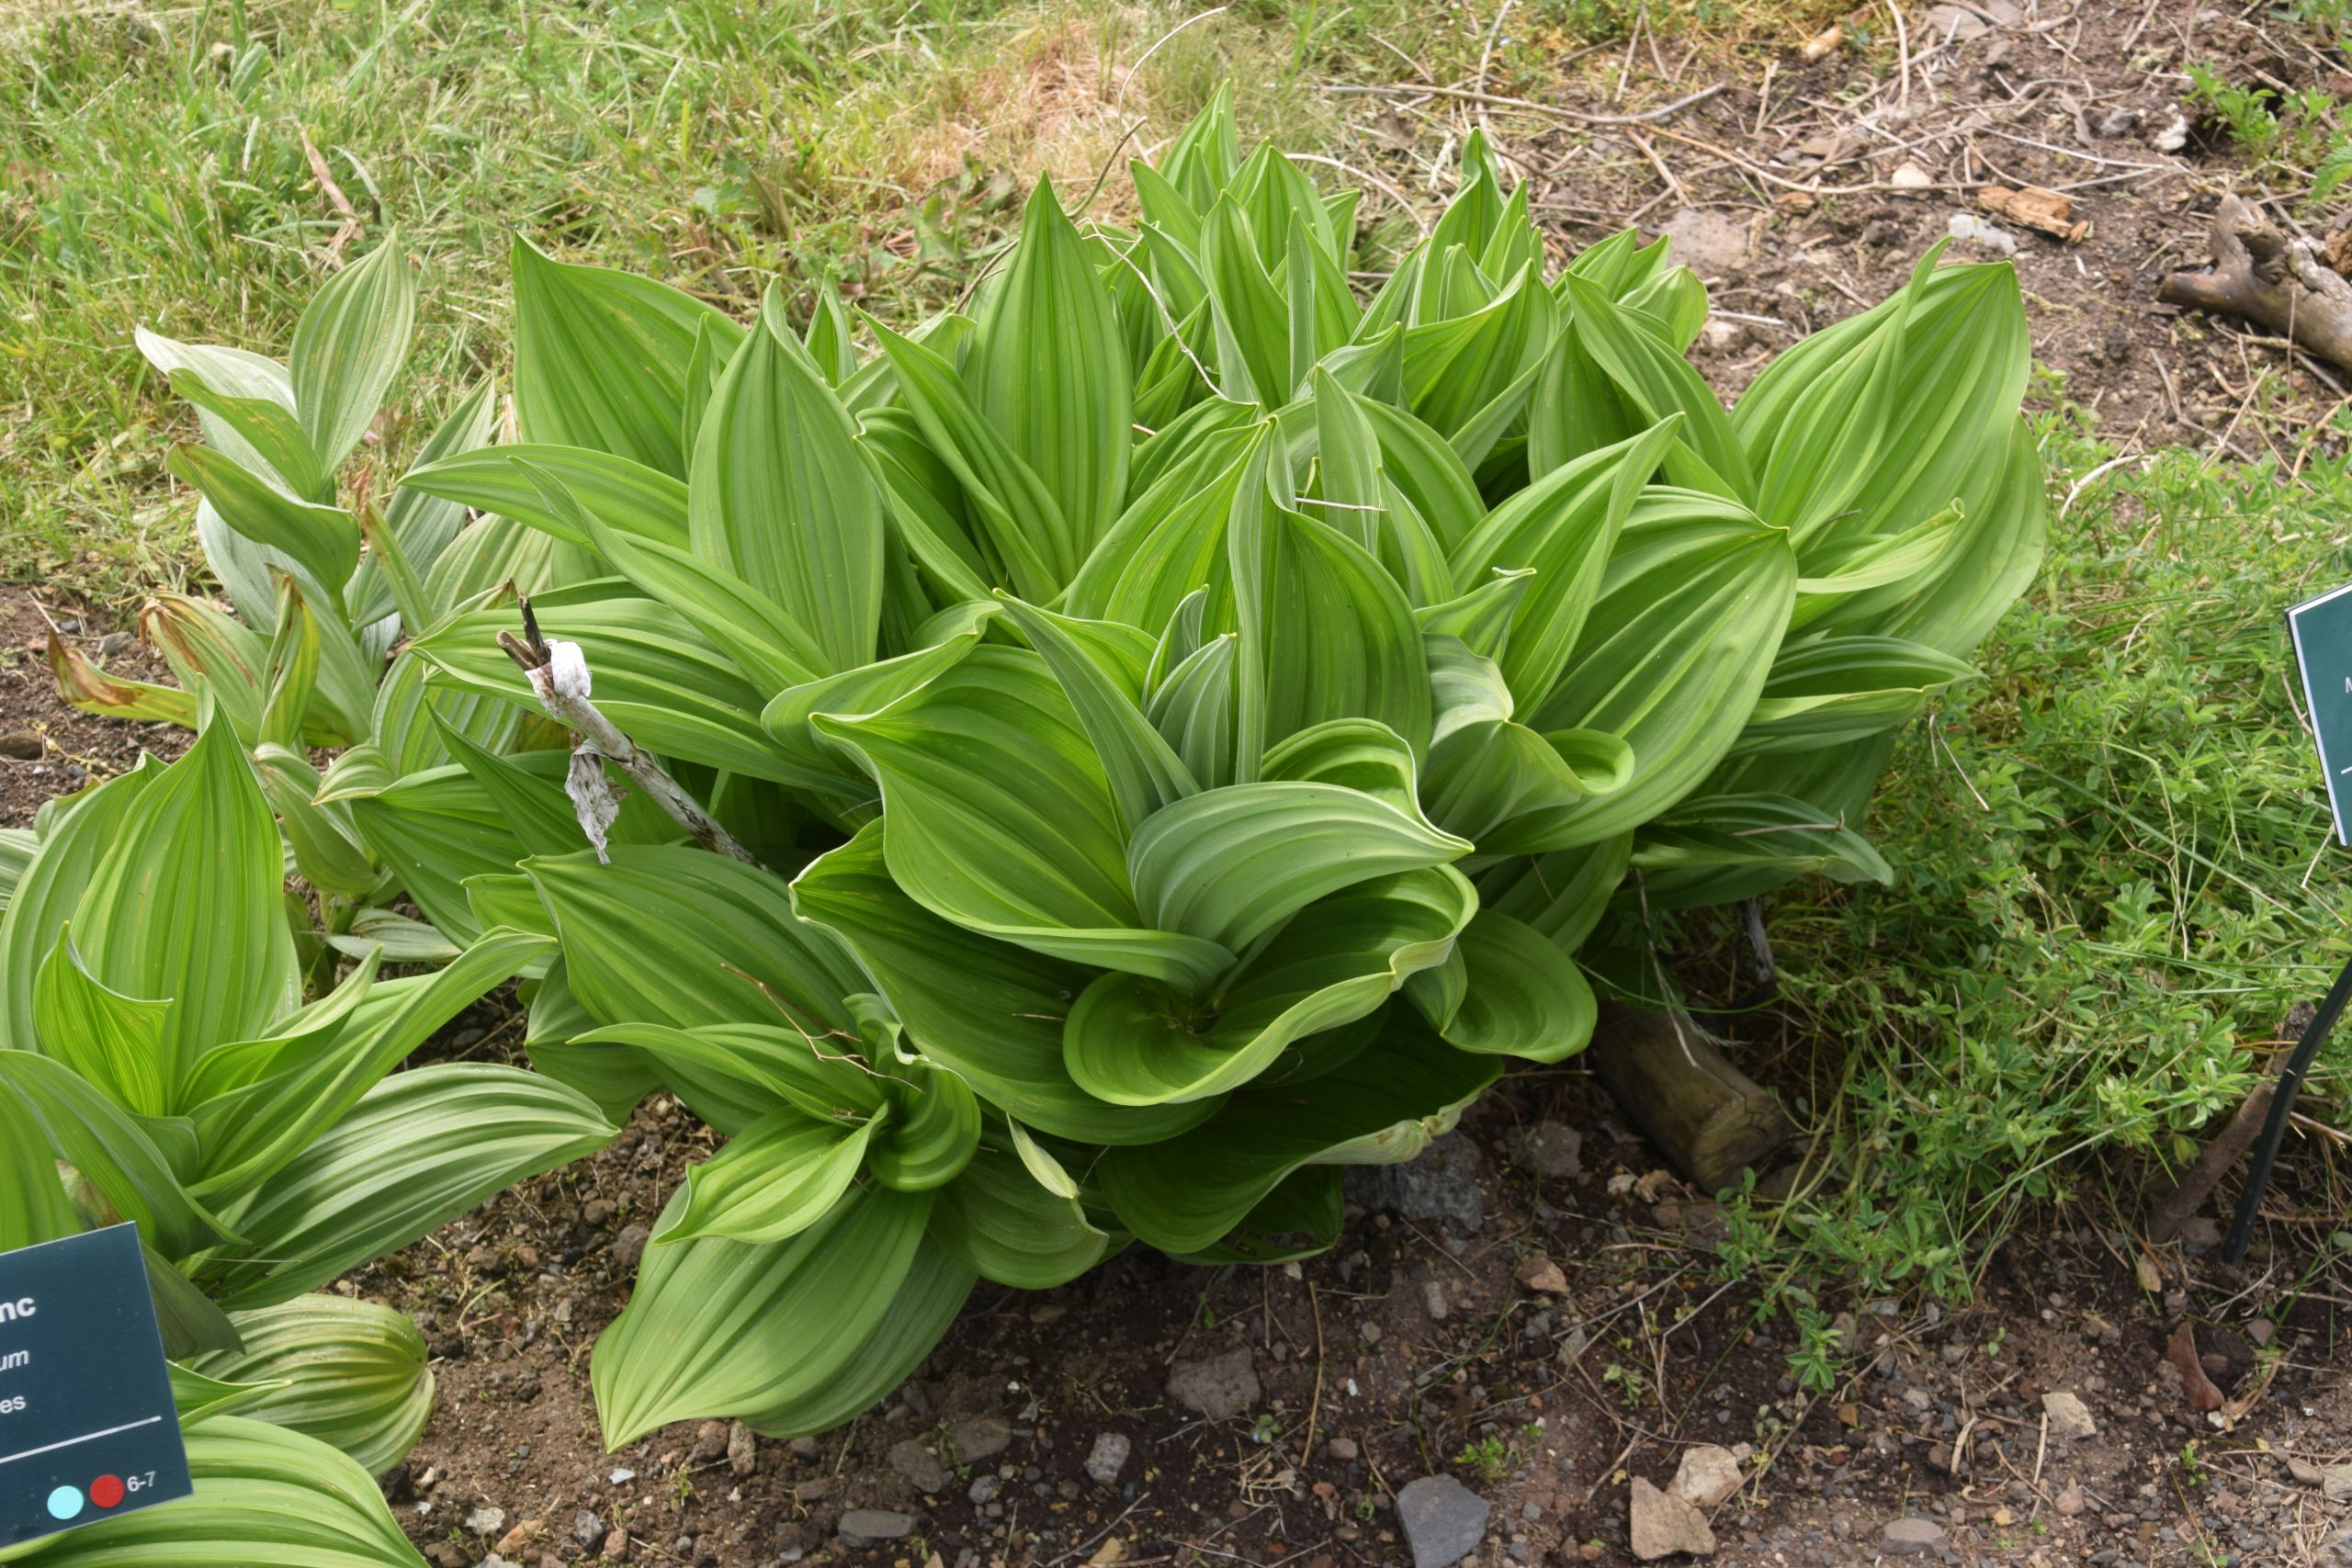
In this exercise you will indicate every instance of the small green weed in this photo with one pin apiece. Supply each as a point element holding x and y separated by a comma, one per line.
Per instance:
<point>2296,132</point>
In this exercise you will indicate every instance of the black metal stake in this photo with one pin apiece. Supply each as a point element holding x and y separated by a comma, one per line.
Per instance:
<point>2282,1103</point>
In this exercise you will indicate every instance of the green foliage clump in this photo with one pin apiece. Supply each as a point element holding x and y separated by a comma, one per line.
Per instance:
<point>1144,745</point>
<point>2118,881</point>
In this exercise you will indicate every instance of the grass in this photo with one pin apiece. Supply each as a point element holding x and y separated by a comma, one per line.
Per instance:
<point>2115,875</point>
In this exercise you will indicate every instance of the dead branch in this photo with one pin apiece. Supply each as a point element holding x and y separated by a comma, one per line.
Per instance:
<point>2261,274</point>
<point>559,678</point>
<point>2169,1213</point>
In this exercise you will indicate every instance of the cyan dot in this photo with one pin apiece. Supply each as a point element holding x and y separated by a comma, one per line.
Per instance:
<point>65,1503</point>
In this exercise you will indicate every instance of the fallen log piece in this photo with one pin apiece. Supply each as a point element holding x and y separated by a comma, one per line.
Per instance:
<point>2262,275</point>
<point>1711,1119</point>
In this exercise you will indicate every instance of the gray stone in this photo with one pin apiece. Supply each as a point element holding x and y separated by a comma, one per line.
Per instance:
<point>2336,1483</point>
<point>494,1560</point>
<point>985,1489</point>
<point>980,1436</point>
<point>1708,243</point>
<point>1445,1521</point>
<point>872,1527</point>
<point>1549,1148</point>
<point>742,1450</point>
<point>486,1521</point>
<point>1953,24</point>
<point>2069,1418</point>
<point>1220,1387</point>
<point>1912,1537</point>
<point>1442,1185</point>
<point>1341,1449</point>
<point>23,745</point>
<point>1109,1458</point>
<point>1662,1525</point>
<point>628,1247</point>
<point>918,1464</point>
<point>588,1530</point>
<point>1706,1476</point>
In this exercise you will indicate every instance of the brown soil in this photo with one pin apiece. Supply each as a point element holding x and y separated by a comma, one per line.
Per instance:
<point>46,748</point>
<point>1414,1348</point>
<point>1401,1353</point>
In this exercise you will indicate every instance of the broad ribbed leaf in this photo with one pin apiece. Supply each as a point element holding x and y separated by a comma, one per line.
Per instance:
<point>1842,688</point>
<point>250,1131</point>
<point>763,635</point>
<point>113,1042</point>
<point>1229,866</point>
<point>997,816</point>
<point>1019,515</point>
<point>1522,994</point>
<point>349,1373</point>
<point>50,886</point>
<point>830,768</point>
<point>781,500</point>
<point>322,540</point>
<point>186,905</point>
<point>1142,770</point>
<point>1562,895</point>
<point>722,1328</point>
<point>111,1150</point>
<point>33,1204</point>
<point>643,503</point>
<point>1657,383</point>
<point>1002,1225</point>
<point>422,1148</point>
<point>1563,528</point>
<point>774,1179</point>
<point>678,936</point>
<point>1133,1041</point>
<point>1720,849</point>
<point>265,1497</point>
<point>989,1012</point>
<point>422,522</point>
<point>348,347</point>
<point>1405,1089</point>
<point>1325,632</point>
<point>1690,613</point>
<point>1048,369</point>
<point>269,427</point>
<point>601,357</point>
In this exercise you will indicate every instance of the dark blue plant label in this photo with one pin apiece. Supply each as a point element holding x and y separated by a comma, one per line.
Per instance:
<point>2321,629</point>
<point>87,1430</point>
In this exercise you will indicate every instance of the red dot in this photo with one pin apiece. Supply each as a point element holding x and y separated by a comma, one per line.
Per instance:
<point>107,1490</point>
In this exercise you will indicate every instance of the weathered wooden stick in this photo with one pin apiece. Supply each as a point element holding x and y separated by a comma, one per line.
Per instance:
<point>2261,274</point>
<point>2169,1213</point>
<point>559,676</point>
<point>1712,1120</point>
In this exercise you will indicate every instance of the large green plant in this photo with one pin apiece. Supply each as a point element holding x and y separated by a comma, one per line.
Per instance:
<point>159,1064</point>
<point>1187,720</point>
<point>1171,733</point>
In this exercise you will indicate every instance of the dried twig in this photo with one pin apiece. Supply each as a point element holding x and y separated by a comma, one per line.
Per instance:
<point>349,230</point>
<point>1497,100</point>
<point>559,677</point>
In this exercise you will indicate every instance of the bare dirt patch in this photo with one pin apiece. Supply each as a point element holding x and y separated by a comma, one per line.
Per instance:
<point>46,748</point>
